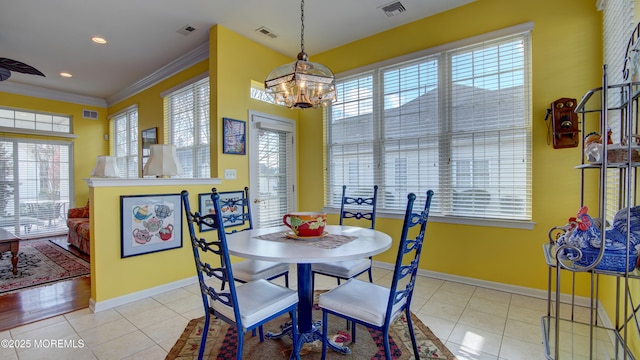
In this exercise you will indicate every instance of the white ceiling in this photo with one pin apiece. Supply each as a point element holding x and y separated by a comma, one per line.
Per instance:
<point>55,36</point>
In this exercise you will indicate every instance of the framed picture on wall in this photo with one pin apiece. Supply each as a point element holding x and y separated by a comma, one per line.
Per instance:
<point>150,223</point>
<point>234,136</point>
<point>230,203</point>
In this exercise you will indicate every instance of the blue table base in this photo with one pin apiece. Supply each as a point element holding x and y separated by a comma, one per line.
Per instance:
<point>308,330</point>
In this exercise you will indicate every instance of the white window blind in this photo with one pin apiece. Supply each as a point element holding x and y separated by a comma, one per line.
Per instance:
<point>618,25</point>
<point>456,121</point>
<point>274,149</point>
<point>187,118</point>
<point>35,186</point>
<point>124,137</point>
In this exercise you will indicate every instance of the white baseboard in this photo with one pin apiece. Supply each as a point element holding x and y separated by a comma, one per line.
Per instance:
<point>514,289</point>
<point>139,295</point>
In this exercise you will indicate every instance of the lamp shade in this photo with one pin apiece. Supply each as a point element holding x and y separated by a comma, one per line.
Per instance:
<point>106,167</point>
<point>162,162</point>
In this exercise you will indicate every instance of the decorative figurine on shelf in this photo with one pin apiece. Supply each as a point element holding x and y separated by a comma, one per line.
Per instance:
<point>593,146</point>
<point>581,230</point>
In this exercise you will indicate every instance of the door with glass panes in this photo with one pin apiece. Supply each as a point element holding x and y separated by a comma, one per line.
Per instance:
<point>272,170</point>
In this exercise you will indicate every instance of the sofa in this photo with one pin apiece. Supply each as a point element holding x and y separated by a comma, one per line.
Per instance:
<point>79,228</point>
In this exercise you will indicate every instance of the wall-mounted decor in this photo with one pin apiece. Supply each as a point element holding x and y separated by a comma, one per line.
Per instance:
<point>149,137</point>
<point>206,207</point>
<point>150,223</point>
<point>234,135</point>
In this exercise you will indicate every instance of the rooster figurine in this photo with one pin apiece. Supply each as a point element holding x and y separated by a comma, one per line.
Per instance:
<point>9,65</point>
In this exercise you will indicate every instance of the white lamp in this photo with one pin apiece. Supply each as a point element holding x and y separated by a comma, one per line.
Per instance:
<point>162,162</point>
<point>106,167</point>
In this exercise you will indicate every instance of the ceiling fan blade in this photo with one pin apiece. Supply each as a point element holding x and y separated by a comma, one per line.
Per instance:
<point>4,74</point>
<point>18,66</point>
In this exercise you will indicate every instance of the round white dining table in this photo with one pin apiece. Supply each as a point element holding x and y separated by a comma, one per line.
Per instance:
<point>368,242</point>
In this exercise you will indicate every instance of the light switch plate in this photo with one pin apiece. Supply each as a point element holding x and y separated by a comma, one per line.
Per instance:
<point>229,174</point>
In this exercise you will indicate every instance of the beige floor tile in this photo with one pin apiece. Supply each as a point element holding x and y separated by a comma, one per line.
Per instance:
<point>123,346</point>
<point>153,352</point>
<point>85,319</point>
<point>54,331</point>
<point>463,353</point>
<point>532,316</point>
<point>518,349</point>
<point>450,297</point>
<point>476,340</point>
<point>442,310</point>
<point>523,331</point>
<point>36,325</point>
<point>440,327</point>
<point>483,320</point>
<point>170,328</point>
<point>68,348</point>
<point>107,332</point>
<point>172,296</point>
<point>151,316</point>
<point>458,288</point>
<point>186,304</point>
<point>493,295</point>
<point>498,308</point>
<point>136,307</point>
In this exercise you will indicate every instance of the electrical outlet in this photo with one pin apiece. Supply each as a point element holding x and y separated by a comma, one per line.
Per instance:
<point>229,174</point>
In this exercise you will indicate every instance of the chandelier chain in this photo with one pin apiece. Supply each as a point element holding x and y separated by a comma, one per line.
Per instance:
<point>302,26</point>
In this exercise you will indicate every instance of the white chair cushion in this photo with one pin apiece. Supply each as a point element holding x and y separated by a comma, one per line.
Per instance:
<point>344,269</point>
<point>250,270</point>
<point>258,300</point>
<point>360,300</point>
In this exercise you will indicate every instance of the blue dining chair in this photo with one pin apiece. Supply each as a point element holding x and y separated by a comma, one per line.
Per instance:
<point>381,306</point>
<point>360,208</point>
<point>247,306</point>
<point>238,218</point>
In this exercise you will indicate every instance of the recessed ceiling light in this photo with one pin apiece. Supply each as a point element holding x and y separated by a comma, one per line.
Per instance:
<point>66,74</point>
<point>98,40</point>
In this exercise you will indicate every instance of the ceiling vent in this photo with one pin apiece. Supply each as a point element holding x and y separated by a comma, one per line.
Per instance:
<point>89,114</point>
<point>266,32</point>
<point>393,8</point>
<point>186,30</point>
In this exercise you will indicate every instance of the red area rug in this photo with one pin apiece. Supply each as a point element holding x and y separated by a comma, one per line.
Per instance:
<point>39,263</point>
<point>222,342</point>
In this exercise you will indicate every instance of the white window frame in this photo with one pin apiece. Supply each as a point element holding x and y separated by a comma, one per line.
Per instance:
<point>124,144</point>
<point>443,211</point>
<point>192,146</point>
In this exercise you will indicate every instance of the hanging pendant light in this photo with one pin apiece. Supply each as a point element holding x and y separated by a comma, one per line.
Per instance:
<point>301,84</point>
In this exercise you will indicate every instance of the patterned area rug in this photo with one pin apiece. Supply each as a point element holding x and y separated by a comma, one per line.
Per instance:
<point>39,262</point>
<point>222,342</point>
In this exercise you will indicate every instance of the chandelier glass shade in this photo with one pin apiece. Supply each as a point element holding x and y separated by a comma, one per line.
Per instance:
<point>301,84</point>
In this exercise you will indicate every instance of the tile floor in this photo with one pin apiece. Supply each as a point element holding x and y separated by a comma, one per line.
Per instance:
<point>473,322</point>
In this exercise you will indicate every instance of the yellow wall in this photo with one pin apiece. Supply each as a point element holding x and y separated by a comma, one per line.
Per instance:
<point>90,134</point>
<point>564,68</point>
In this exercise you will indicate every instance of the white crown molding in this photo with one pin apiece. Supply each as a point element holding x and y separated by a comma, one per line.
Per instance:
<point>189,59</point>
<point>44,93</point>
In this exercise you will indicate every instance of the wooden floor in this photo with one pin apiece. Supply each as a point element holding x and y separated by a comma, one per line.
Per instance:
<point>43,302</point>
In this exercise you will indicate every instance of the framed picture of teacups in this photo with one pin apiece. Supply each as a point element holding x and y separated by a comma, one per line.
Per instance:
<point>233,136</point>
<point>150,223</point>
<point>231,203</point>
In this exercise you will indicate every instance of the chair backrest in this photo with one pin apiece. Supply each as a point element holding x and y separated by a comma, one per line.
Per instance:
<point>359,207</point>
<point>236,210</point>
<point>408,257</point>
<point>204,270</point>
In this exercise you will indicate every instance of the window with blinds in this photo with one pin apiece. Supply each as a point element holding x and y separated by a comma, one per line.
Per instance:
<point>35,186</point>
<point>187,119</point>
<point>457,122</point>
<point>618,25</point>
<point>124,137</point>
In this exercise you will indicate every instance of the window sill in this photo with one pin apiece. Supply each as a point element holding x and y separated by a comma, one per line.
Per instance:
<point>498,223</point>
